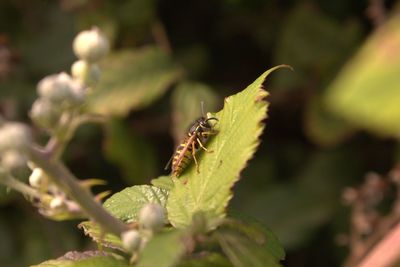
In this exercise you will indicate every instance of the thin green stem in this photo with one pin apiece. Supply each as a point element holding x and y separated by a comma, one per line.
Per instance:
<point>70,185</point>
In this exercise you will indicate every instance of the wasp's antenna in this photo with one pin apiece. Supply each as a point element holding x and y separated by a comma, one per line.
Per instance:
<point>202,108</point>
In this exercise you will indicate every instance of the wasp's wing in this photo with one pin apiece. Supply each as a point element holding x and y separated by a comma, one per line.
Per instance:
<point>168,163</point>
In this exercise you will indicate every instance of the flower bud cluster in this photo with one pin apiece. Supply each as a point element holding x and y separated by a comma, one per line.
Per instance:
<point>151,219</point>
<point>58,93</point>
<point>53,202</point>
<point>89,46</point>
<point>63,93</point>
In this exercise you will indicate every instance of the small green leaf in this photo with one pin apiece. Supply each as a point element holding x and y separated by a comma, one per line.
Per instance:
<point>101,237</point>
<point>242,251</point>
<point>367,90</point>
<point>132,80</point>
<point>85,259</point>
<point>239,127</point>
<point>131,152</point>
<point>163,249</point>
<point>164,182</point>
<point>125,205</point>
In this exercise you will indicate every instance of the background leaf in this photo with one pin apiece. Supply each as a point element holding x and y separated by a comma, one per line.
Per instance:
<point>312,43</point>
<point>125,205</point>
<point>258,233</point>
<point>186,103</point>
<point>132,153</point>
<point>239,127</point>
<point>242,251</point>
<point>306,203</point>
<point>323,127</point>
<point>132,80</point>
<point>84,259</point>
<point>367,90</point>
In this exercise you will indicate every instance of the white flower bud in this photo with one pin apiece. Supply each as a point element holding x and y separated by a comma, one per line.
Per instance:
<point>131,240</point>
<point>91,45</point>
<point>12,160</point>
<point>45,114</point>
<point>61,89</point>
<point>37,178</point>
<point>152,216</point>
<point>57,203</point>
<point>78,91</point>
<point>15,136</point>
<point>56,88</point>
<point>85,72</point>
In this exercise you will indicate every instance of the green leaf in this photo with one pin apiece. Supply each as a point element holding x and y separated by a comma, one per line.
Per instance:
<point>258,233</point>
<point>164,182</point>
<point>132,80</point>
<point>242,251</point>
<point>309,201</point>
<point>323,127</point>
<point>101,237</point>
<point>367,90</point>
<point>186,103</point>
<point>163,250</point>
<point>85,259</point>
<point>131,152</point>
<point>125,205</point>
<point>239,128</point>
<point>322,44</point>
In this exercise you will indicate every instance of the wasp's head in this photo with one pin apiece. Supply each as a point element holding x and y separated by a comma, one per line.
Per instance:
<point>205,123</point>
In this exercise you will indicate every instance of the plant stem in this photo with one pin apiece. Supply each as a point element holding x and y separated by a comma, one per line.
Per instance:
<point>70,185</point>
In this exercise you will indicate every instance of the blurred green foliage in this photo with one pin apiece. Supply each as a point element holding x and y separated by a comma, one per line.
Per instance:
<point>167,57</point>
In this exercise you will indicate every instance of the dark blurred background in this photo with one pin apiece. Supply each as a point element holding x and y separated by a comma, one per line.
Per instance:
<point>328,125</point>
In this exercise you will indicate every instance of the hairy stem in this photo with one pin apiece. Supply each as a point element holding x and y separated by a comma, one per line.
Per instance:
<point>70,185</point>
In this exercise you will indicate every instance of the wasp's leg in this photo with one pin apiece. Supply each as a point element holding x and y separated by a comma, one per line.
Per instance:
<point>202,146</point>
<point>194,157</point>
<point>208,133</point>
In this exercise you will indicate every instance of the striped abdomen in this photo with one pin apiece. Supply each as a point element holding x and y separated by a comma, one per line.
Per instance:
<point>184,154</point>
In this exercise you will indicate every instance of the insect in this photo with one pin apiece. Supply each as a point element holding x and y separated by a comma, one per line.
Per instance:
<point>197,136</point>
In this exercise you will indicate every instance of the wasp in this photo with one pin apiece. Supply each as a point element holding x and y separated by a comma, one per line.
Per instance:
<point>198,134</point>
